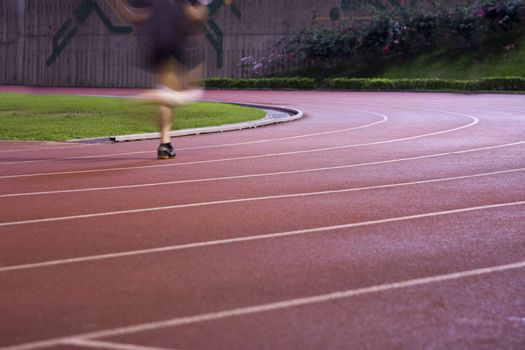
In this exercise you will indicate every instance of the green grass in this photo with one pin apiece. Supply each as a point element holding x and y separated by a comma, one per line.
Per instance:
<point>61,118</point>
<point>468,64</point>
<point>491,59</point>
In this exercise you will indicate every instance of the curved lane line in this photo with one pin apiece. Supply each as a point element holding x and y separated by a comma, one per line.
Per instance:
<point>316,299</point>
<point>75,342</point>
<point>246,238</point>
<point>236,177</point>
<point>46,149</point>
<point>241,200</point>
<point>274,306</point>
<point>474,122</point>
<point>384,118</point>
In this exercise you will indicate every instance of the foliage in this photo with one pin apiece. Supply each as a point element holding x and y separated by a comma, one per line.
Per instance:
<point>395,32</point>
<point>501,14</point>
<point>261,83</point>
<point>386,34</point>
<point>484,84</point>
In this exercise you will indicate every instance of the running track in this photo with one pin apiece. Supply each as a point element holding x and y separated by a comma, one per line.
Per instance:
<point>378,221</point>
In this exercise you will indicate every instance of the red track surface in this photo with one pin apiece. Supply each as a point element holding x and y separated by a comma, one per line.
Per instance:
<point>378,221</point>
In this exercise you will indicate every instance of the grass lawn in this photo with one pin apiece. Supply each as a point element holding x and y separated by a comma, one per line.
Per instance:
<point>61,118</point>
<point>491,59</point>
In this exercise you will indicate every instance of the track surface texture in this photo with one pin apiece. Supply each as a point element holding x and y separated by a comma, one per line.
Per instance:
<point>378,221</point>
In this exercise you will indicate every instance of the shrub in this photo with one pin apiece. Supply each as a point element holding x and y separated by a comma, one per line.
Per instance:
<point>424,25</point>
<point>502,83</point>
<point>386,84</point>
<point>463,85</point>
<point>386,34</point>
<point>261,83</point>
<point>501,14</point>
<point>399,32</point>
<point>484,84</point>
<point>346,83</point>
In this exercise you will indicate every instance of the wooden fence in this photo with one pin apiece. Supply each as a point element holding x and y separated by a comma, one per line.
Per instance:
<point>84,43</point>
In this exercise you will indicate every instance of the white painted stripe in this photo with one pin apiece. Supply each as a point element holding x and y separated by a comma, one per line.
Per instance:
<point>280,305</point>
<point>384,118</point>
<point>517,319</point>
<point>236,177</point>
<point>101,156</point>
<point>107,345</point>
<point>46,148</point>
<point>474,122</point>
<point>253,238</point>
<point>239,200</point>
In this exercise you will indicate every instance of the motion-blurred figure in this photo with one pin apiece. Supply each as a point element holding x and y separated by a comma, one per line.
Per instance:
<point>168,25</point>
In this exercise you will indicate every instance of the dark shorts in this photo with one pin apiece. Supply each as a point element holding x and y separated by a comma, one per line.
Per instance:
<point>166,35</point>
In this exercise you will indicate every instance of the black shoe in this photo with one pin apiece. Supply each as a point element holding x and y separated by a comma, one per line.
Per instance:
<point>165,151</point>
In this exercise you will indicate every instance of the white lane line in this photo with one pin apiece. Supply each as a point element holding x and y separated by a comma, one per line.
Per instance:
<point>474,122</point>
<point>383,119</point>
<point>236,177</point>
<point>101,156</point>
<point>242,200</point>
<point>107,345</point>
<point>250,238</point>
<point>46,149</point>
<point>275,306</point>
<point>517,319</point>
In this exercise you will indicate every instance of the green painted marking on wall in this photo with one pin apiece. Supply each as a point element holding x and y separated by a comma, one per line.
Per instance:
<point>86,8</point>
<point>235,10</point>
<point>71,27</point>
<point>213,32</point>
<point>216,40</point>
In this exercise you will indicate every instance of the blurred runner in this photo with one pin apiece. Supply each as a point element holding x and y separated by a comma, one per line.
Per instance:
<point>168,26</point>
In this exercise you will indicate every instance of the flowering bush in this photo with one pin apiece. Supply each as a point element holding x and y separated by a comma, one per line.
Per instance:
<point>320,44</point>
<point>394,32</point>
<point>422,24</point>
<point>463,24</point>
<point>483,19</point>
<point>386,34</point>
<point>252,66</point>
<point>501,14</point>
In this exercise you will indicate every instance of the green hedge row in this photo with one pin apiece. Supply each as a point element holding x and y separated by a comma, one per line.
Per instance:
<point>261,83</point>
<point>484,84</point>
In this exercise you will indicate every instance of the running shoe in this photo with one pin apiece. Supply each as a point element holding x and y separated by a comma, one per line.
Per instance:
<point>165,151</point>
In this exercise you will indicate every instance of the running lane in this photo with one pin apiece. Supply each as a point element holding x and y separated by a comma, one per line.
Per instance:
<point>379,220</point>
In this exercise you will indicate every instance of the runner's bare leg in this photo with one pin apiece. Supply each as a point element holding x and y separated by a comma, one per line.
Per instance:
<point>167,76</point>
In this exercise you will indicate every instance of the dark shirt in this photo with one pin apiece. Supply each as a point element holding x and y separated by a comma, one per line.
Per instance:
<point>167,30</point>
<point>140,3</point>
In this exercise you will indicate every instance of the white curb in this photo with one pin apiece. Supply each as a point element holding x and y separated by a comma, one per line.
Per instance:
<point>274,115</point>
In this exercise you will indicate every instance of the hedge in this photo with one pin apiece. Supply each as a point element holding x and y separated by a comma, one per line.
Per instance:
<point>261,83</point>
<point>381,84</point>
<point>502,83</point>
<point>484,84</point>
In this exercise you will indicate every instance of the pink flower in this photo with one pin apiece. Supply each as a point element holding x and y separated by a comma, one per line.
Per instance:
<point>480,13</point>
